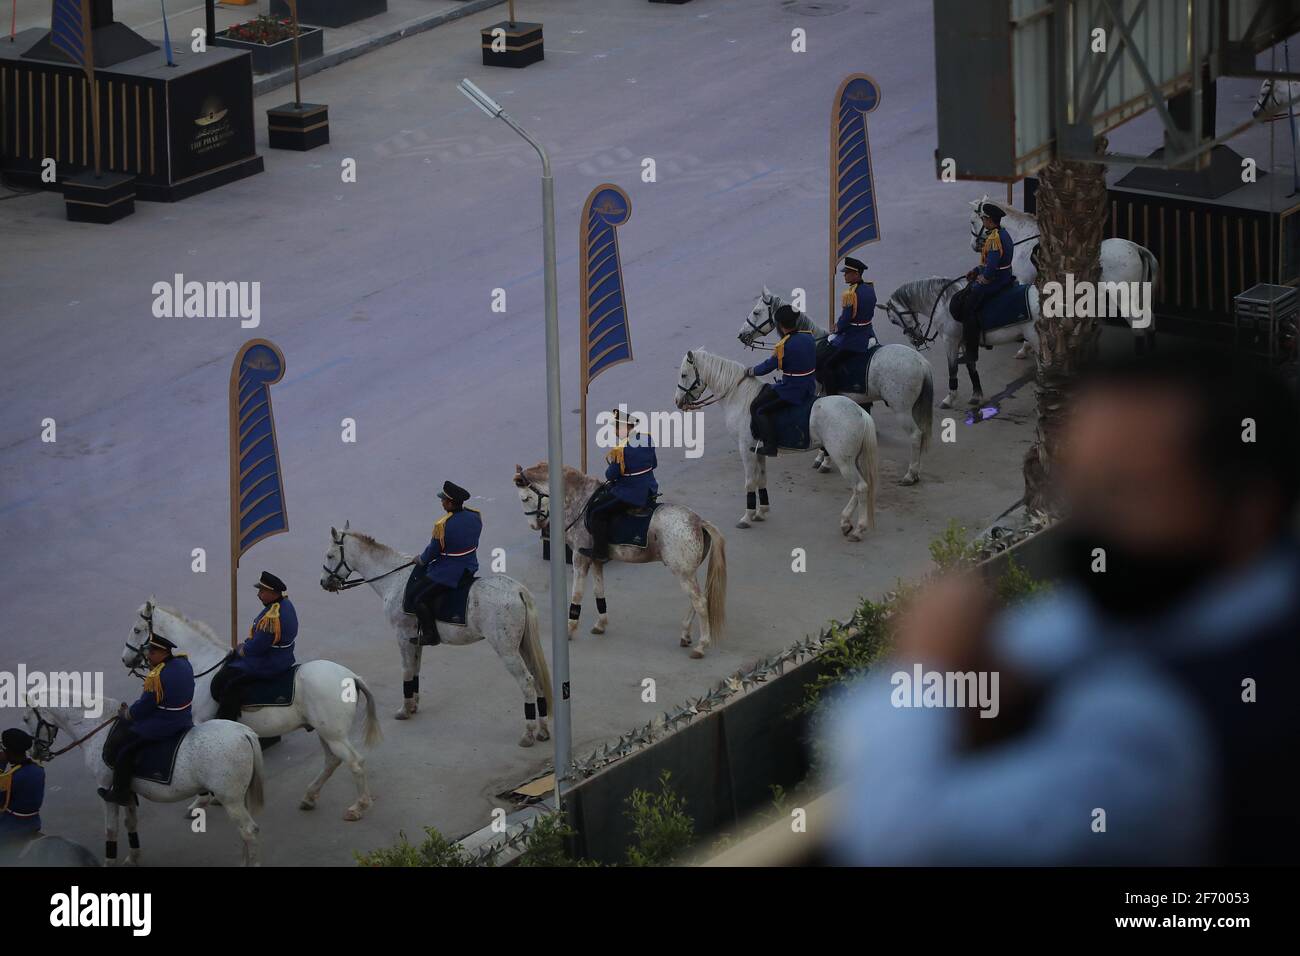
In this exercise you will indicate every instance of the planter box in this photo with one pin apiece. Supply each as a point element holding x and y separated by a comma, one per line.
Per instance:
<point>268,58</point>
<point>330,13</point>
<point>107,199</point>
<point>523,44</point>
<point>300,126</point>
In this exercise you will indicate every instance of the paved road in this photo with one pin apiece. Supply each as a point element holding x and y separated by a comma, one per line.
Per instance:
<point>379,293</point>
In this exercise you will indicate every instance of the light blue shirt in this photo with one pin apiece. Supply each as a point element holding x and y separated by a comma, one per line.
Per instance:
<point>1115,734</point>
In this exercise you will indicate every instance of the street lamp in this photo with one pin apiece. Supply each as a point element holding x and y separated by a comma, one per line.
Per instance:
<point>554,443</point>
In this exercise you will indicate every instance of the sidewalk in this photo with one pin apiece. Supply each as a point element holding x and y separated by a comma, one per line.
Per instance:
<point>403,18</point>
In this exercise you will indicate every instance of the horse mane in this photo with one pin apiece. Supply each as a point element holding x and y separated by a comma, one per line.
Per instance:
<point>540,474</point>
<point>203,630</point>
<point>920,294</point>
<point>372,541</point>
<point>722,373</point>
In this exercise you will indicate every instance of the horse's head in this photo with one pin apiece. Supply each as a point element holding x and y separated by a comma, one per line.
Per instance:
<point>978,231</point>
<point>43,731</point>
<point>135,657</point>
<point>761,319</point>
<point>534,500</point>
<point>690,387</point>
<point>904,316</point>
<point>336,567</point>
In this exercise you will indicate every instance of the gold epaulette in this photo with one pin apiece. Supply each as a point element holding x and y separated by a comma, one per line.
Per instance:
<point>847,298</point>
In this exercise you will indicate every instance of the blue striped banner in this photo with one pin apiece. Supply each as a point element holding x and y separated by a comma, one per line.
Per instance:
<point>606,339</point>
<point>256,484</point>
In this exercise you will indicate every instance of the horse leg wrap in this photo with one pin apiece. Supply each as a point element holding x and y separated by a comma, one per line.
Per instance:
<point>952,382</point>
<point>762,497</point>
<point>975,379</point>
<point>541,706</point>
<point>110,849</point>
<point>575,611</point>
<point>530,711</point>
<point>411,687</point>
<point>133,840</point>
<point>601,606</point>
<point>751,500</point>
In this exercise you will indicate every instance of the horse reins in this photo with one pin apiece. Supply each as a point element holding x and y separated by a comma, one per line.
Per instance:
<point>45,745</point>
<point>545,515</point>
<point>691,402</point>
<point>348,583</point>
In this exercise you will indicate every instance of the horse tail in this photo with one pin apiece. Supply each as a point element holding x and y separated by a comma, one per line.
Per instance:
<point>530,648</point>
<point>923,407</point>
<point>253,796</point>
<point>868,466</point>
<point>372,732</point>
<point>715,580</point>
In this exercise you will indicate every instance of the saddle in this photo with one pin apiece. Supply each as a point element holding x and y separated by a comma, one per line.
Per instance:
<point>792,429</point>
<point>630,527</point>
<point>448,607</point>
<point>271,692</point>
<point>851,374</point>
<point>155,761</point>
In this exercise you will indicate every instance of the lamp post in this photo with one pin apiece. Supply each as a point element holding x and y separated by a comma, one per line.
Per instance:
<point>554,442</point>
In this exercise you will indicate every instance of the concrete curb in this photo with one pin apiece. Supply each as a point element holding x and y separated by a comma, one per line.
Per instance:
<point>273,81</point>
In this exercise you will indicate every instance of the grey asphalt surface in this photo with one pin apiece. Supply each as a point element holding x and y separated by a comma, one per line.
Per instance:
<point>379,293</point>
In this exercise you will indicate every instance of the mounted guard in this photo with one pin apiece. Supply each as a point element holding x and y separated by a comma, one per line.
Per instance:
<point>854,332</point>
<point>22,787</point>
<point>265,654</point>
<point>162,712</point>
<point>990,277</point>
<point>629,483</point>
<point>449,561</point>
<point>795,356</point>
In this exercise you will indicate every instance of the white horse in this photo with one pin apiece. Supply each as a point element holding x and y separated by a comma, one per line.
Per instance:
<point>500,610</point>
<point>1121,259</point>
<point>837,424</point>
<point>677,536</point>
<point>218,757</point>
<point>916,307</point>
<point>326,697</point>
<point>899,376</point>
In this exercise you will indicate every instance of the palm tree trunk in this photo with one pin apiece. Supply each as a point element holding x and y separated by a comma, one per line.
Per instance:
<point>1071,208</point>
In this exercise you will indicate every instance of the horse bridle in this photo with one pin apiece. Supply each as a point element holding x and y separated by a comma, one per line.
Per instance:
<point>758,330</point>
<point>692,400</point>
<point>345,582</point>
<point>43,747</point>
<point>544,514</point>
<point>136,667</point>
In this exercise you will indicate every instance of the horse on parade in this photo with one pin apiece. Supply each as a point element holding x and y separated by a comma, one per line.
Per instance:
<point>495,608</point>
<point>219,757</point>
<point>834,423</point>
<point>669,533</point>
<point>322,696</point>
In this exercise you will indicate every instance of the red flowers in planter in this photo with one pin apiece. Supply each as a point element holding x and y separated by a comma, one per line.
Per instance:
<point>264,30</point>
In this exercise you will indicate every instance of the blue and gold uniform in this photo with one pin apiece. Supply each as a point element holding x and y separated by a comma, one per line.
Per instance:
<point>853,329</point>
<point>631,471</point>
<point>22,787</point>
<point>795,356</point>
<point>995,263</point>
<point>268,649</point>
<point>453,547</point>
<point>163,709</point>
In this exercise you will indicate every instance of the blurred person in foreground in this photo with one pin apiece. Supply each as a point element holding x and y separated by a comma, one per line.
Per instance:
<point>1145,714</point>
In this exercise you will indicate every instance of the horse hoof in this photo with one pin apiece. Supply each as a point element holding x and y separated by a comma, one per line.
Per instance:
<point>307,805</point>
<point>527,740</point>
<point>825,469</point>
<point>853,536</point>
<point>946,403</point>
<point>402,715</point>
<point>696,653</point>
<point>597,629</point>
<point>759,516</point>
<point>543,735</point>
<point>685,641</point>
<point>909,479</point>
<point>976,401</point>
<point>742,523</point>
<point>352,814</point>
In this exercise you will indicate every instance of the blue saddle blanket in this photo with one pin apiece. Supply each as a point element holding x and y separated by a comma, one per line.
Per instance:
<point>632,527</point>
<point>1008,307</point>
<point>273,692</point>
<point>155,761</point>
<point>792,430</point>
<point>851,376</point>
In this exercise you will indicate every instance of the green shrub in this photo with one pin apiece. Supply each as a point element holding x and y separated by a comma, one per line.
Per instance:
<point>661,827</point>
<point>545,845</point>
<point>436,850</point>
